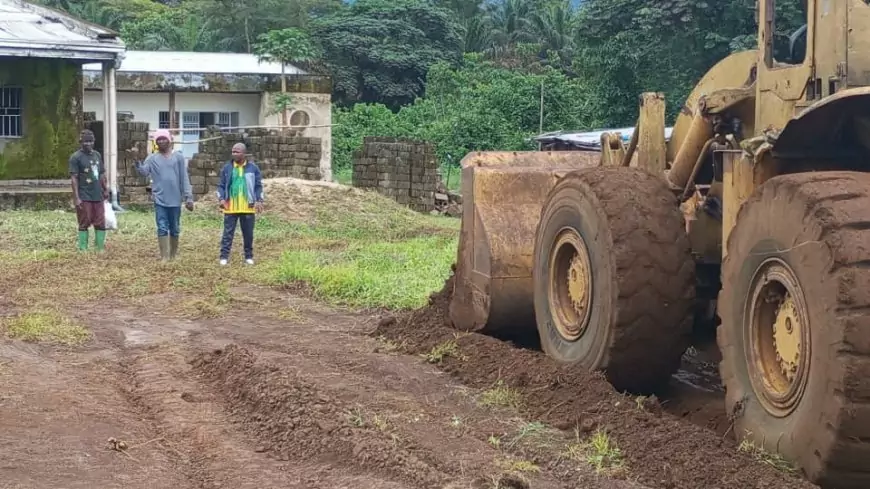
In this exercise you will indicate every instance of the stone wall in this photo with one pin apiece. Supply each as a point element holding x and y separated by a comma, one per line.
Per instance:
<point>132,146</point>
<point>403,169</point>
<point>277,156</point>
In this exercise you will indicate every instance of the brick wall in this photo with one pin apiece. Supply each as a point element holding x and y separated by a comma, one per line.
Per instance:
<point>132,188</point>
<point>403,169</point>
<point>277,155</point>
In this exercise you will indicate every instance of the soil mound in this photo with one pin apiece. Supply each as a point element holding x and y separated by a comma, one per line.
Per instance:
<point>292,419</point>
<point>660,450</point>
<point>294,199</point>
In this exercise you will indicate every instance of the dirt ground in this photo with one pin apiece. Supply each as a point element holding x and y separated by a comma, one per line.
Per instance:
<point>286,392</point>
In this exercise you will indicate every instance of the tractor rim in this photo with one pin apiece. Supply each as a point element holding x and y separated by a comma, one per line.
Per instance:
<point>778,337</point>
<point>570,287</point>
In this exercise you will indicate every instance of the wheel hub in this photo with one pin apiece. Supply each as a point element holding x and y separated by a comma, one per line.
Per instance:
<point>777,335</point>
<point>786,338</point>
<point>570,284</point>
<point>578,284</point>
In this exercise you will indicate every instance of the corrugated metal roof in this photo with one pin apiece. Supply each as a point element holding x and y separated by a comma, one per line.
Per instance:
<point>31,30</point>
<point>590,140</point>
<point>195,62</point>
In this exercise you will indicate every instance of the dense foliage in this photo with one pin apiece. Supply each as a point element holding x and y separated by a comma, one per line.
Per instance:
<point>466,74</point>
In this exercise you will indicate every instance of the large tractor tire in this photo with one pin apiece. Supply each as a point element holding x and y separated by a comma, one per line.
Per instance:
<point>614,279</point>
<point>795,332</point>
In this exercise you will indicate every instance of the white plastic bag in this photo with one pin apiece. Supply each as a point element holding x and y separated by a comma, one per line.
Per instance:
<point>111,218</point>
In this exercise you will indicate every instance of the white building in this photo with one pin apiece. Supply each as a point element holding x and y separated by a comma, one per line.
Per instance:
<point>205,89</point>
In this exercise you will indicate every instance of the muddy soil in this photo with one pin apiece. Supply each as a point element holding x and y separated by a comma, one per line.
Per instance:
<point>661,450</point>
<point>258,399</point>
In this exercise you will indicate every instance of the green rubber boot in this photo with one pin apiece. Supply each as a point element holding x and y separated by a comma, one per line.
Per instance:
<point>163,242</point>
<point>100,239</point>
<point>173,247</point>
<point>83,241</point>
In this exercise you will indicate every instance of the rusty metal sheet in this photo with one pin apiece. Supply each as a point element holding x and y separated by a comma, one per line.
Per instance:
<point>27,29</point>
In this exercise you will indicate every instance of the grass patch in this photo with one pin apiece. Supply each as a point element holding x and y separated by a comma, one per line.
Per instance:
<point>46,327</point>
<point>381,274</point>
<point>501,396</point>
<point>600,451</point>
<point>518,466</point>
<point>355,248</point>
<point>775,460</point>
<point>439,352</point>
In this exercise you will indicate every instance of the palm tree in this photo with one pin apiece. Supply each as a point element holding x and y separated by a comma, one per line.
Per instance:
<point>554,25</point>
<point>511,24</point>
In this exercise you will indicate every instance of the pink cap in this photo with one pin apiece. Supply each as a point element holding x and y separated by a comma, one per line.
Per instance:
<point>162,133</point>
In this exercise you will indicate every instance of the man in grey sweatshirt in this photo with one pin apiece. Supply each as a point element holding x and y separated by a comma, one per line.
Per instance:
<point>170,183</point>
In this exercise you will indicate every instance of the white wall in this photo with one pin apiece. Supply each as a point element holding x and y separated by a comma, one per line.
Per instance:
<point>146,106</point>
<point>253,109</point>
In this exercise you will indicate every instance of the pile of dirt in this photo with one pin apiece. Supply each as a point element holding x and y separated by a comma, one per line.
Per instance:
<point>293,420</point>
<point>660,450</point>
<point>295,199</point>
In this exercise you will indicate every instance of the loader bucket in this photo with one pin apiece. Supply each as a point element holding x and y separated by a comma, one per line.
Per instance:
<point>502,196</point>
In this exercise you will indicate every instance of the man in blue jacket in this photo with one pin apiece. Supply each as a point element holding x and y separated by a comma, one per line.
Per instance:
<point>241,196</point>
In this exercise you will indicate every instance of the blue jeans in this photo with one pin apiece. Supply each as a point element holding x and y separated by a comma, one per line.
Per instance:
<point>168,220</point>
<point>247,225</point>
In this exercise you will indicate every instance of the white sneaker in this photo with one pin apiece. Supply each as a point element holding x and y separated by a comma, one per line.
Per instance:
<point>223,262</point>
<point>249,261</point>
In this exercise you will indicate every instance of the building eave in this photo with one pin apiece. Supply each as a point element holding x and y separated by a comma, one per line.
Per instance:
<point>78,53</point>
<point>207,82</point>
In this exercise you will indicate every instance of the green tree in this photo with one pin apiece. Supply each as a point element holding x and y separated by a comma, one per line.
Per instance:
<point>174,29</point>
<point>381,50</point>
<point>285,46</point>
<point>248,20</point>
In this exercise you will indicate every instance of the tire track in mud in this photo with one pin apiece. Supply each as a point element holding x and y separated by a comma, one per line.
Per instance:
<point>293,419</point>
<point>442,425</point>
<point>208,448</point>
<point>661,451</point>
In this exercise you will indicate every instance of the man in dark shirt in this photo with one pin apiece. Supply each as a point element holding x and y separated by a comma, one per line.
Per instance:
<point>88,176</point>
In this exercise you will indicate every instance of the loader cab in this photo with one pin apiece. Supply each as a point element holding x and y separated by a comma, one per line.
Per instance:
<point>826,40</point>
<point>808,50</point>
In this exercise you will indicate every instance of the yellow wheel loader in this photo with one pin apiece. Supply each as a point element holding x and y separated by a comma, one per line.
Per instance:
<point>757,208</point>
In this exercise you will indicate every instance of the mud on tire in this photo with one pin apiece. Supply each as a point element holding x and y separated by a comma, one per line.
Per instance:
<point>643,275</point>
<point>818,226</point>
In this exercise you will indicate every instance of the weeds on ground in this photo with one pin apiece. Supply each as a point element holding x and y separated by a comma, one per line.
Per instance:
<point>514,473</point>
<point>356,418</point>
<point>534,435</point>
<point>211,306</point>
<point>501,396</point>
<point>46,326</point>
<point>439,352</point>
<point>599,451</point>
<point>775,460</point>
<point>389,346</point>
<point>518,465</point>
<point>291,314</point>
